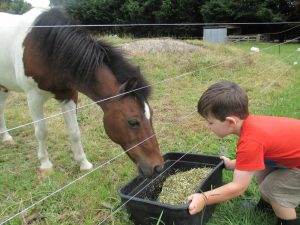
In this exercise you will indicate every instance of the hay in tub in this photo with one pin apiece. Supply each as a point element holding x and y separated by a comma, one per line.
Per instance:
<point>179,186</point>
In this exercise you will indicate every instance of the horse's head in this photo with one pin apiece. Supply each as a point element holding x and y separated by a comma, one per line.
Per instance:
<point>128,122</point>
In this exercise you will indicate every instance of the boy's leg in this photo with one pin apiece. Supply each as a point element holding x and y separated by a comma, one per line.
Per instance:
<point>281,188</point>
<point>283,212</point>
<point>263,203</point>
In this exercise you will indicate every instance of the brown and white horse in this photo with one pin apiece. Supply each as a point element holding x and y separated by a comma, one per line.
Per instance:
<point>43,56</point>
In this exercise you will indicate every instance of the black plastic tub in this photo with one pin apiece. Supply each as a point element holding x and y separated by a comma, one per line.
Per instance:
<point>140,194</point>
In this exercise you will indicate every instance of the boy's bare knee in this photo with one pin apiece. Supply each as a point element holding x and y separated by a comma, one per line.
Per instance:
<point>283,212</point>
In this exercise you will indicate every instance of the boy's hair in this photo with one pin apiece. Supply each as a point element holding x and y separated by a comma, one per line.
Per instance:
<point>223,99</point>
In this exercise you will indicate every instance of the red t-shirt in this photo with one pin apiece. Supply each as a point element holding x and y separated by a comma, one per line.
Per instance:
<point>268,140</point>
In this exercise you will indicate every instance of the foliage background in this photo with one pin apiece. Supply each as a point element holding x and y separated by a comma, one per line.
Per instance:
<point>173,11</point>
<point>14,6</point>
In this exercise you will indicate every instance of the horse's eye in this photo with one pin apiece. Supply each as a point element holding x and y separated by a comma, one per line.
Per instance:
<point>133,123</point>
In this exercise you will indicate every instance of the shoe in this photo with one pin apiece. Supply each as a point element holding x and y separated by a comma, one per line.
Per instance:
<point>288,222</point>
<point>262,205</point>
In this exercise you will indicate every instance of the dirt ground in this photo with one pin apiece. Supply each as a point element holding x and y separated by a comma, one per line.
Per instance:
<point>146,46</point>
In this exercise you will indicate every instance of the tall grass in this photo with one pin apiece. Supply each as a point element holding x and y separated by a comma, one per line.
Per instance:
<point>272,83</point>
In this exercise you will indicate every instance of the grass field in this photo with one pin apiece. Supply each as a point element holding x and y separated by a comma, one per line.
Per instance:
<point>272,83</point>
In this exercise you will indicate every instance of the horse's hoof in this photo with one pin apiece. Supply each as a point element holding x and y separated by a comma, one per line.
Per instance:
<point>86,166</point>
<point>9,143</point>
<point>45,172</point>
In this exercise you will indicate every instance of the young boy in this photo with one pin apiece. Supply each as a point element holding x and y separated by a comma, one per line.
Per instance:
<point>268,148</point>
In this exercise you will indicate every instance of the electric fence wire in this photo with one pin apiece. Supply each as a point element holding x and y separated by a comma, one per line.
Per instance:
<point>94,169</point>
<point>279,32</point>
<point>154,24</point>
<point>147,86</point>
<point>152,180</point>
<point>245,81</point>
<point>169,167</point>
<point>260,72</point>
<point>107,162</point>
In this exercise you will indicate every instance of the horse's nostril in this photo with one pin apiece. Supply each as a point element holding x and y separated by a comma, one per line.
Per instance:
<point>158,169</point>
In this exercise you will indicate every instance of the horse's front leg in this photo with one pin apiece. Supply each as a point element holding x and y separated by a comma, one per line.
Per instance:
<point>7,139</point>
<point>69,109</point>
<point>36,102</point>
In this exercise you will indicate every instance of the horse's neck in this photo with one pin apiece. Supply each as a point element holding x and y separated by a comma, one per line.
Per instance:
<point>104,86</point>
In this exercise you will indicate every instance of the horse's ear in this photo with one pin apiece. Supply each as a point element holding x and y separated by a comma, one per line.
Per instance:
<point>129,85</point>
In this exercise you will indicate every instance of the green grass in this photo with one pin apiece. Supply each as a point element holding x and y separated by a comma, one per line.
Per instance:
<point>271,81</point>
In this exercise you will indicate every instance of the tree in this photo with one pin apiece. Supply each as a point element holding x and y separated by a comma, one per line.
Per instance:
<point>180,11</point>
<point>247,10</point>
<point>14,6</point>
<point>91,11</point>
<point>4,5</point>
<point>177,11</point>
<point>217,11</point>
<point>56,2</point>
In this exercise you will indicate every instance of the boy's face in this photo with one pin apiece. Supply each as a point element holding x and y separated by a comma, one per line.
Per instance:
<point>221,129</point>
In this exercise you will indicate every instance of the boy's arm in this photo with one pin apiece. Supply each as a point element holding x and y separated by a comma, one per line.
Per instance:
<point>239,184</point>
<point>229,164</point>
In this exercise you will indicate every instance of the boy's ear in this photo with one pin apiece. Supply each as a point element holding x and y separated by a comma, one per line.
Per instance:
<point>232,120</point>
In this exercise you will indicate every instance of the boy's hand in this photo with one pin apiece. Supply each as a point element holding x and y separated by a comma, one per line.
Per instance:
<point>229,164</point>
<point>198,202</point>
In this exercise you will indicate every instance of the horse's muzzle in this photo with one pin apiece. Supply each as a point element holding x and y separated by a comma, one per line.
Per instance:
<point>150,172</point>
<point>158,169</point>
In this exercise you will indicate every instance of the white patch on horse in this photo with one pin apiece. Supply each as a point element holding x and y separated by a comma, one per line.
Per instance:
<point>74,134</point>
<point>147,111</point>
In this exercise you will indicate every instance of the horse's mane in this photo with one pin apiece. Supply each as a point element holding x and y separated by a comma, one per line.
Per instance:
<point>75,55</point>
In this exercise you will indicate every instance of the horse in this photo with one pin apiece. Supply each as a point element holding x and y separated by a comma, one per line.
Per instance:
<point>45,54</point>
